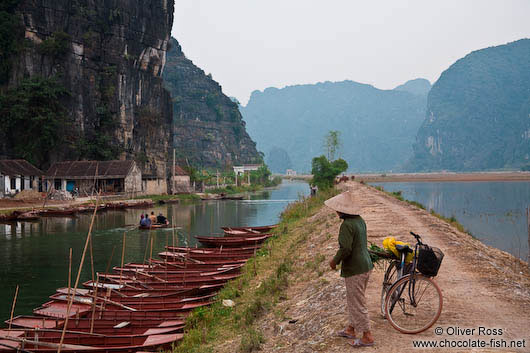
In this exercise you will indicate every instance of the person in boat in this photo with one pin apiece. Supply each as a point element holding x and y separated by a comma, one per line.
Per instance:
<point>141,218</point>
<point>160,219</point>
<point>152,217</point>
<point>356,267</point>
<point>145,221</point>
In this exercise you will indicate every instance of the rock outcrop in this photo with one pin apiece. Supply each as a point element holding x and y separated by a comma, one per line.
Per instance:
<point>109,56</point>
<point>478,113</point>
<point>208,128</point>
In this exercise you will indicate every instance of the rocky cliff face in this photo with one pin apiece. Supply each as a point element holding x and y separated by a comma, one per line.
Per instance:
<point>208,128</point>
<point>478,113</point>
<point>109,55</point>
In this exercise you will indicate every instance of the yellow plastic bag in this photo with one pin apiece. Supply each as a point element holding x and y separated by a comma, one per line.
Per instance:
<point>390,243</point>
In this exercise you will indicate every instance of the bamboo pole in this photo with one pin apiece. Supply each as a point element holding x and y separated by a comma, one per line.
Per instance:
<point>94,305</point>
<point>13,308</point>
<point>71,299</point>
<point>91,260</point>
<point>110,259</point>
<point>70,273</point>
<point>122,256</point>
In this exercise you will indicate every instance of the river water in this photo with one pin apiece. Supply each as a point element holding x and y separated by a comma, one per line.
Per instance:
<point>494,212</point>
<point>35,255</point>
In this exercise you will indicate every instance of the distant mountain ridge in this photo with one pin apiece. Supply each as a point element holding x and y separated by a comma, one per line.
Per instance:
<point>377,126</point>
<point>478,113</point>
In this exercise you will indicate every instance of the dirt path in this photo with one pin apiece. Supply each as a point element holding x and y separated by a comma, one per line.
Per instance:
<point>482,286</point>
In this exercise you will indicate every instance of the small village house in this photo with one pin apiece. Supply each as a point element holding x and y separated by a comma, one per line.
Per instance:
<point>245,169</point>
<point>17,175</point>
<point>90,176</point>
<point>153,184</point>
<point>242,169</point>
<point>290,172</point>
<point>181,181</point>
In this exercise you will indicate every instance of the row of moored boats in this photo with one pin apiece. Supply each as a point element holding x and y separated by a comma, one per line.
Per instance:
<point>139,306</point>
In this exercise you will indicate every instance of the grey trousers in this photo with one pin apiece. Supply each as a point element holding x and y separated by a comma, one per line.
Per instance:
<point>356,309</point>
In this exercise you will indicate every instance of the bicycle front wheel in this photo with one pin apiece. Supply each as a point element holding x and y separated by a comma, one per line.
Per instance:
<point>413,304</point>
<point>391,275</point>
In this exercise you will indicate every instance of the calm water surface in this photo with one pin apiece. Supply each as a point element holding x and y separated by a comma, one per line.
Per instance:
<point>34,255</point>
<point>494,212</point>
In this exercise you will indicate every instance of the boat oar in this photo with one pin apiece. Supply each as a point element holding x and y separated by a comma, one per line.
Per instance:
<point>13,307</point>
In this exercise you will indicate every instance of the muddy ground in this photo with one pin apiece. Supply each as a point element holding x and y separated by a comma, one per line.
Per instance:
<point>482,286</point>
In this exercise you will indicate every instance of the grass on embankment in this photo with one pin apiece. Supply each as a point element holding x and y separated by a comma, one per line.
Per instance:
<point>262,284</point>
<point>451,220</point>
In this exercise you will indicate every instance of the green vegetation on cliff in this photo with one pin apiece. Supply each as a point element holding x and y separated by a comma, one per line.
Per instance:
<point>478,113</point>
<point>33,119</point>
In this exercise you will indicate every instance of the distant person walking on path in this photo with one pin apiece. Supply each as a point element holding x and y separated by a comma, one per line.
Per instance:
<point>356,267</point>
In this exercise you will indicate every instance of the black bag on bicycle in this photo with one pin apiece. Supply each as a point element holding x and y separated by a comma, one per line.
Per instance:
<point>429,260</point>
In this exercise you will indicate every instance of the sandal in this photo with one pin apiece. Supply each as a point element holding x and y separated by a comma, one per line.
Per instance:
<point>345,334</point>
<point>357,343</point>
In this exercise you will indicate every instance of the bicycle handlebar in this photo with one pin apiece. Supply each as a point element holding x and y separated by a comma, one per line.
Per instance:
<point>417,236</point>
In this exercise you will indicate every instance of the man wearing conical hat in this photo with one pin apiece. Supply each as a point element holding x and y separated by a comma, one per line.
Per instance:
<point>356,267</point>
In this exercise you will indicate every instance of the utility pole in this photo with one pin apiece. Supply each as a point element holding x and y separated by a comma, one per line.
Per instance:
<point>217,174</point>
<point>248,177</point>
<point>173,180</point>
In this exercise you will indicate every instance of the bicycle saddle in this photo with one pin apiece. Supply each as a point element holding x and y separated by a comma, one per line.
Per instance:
<point>403,248</point>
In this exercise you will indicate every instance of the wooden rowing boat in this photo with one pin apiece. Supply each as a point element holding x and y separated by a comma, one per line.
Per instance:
<point>48,341</point>
<point>58,212</point>
<point>192,255</point>
<point>232,241</point>
<point>154,226</point>
<point>184,250</point>
<point>100,325</point>
<point>58,309</point>
<point>251,229</point>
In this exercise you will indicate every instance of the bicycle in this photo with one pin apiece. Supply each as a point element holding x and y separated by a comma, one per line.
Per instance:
<point>410,299</point>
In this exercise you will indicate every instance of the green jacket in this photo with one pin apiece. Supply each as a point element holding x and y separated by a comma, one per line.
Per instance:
<point>353,252</point>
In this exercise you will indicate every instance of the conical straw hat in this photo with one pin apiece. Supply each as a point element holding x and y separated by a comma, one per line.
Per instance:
<point>343,203</point>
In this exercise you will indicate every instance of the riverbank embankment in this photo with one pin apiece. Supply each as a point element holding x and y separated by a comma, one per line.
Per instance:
<point>482,286</point>
<point>443,176</point>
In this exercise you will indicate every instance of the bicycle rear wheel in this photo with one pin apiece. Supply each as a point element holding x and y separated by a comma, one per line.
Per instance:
<point>391,275</point>
<point>413,304</point>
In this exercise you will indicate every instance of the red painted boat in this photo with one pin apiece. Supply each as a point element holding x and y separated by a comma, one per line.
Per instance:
<point>58,212</point>
<point>118,327</point>
<point>242,250</point>
<point>197,264</point>
<point>159,284</point>
<point>251,229</point>
<point>198,256</point>
<point>145,296</point>
<point>106,303</point>
<point>59,309</point>
<point>130,291</point>
<point>232,241</point>
<point>165,273</point>
<point>48,341</point>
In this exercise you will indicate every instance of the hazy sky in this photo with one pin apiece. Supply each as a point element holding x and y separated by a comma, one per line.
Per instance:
<point>254,44</point>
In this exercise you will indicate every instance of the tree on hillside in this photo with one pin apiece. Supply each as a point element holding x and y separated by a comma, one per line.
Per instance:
<point>324,172</point>
<point>332,143</point>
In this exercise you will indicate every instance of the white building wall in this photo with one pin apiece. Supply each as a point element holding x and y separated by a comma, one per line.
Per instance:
<point>18,184</point>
